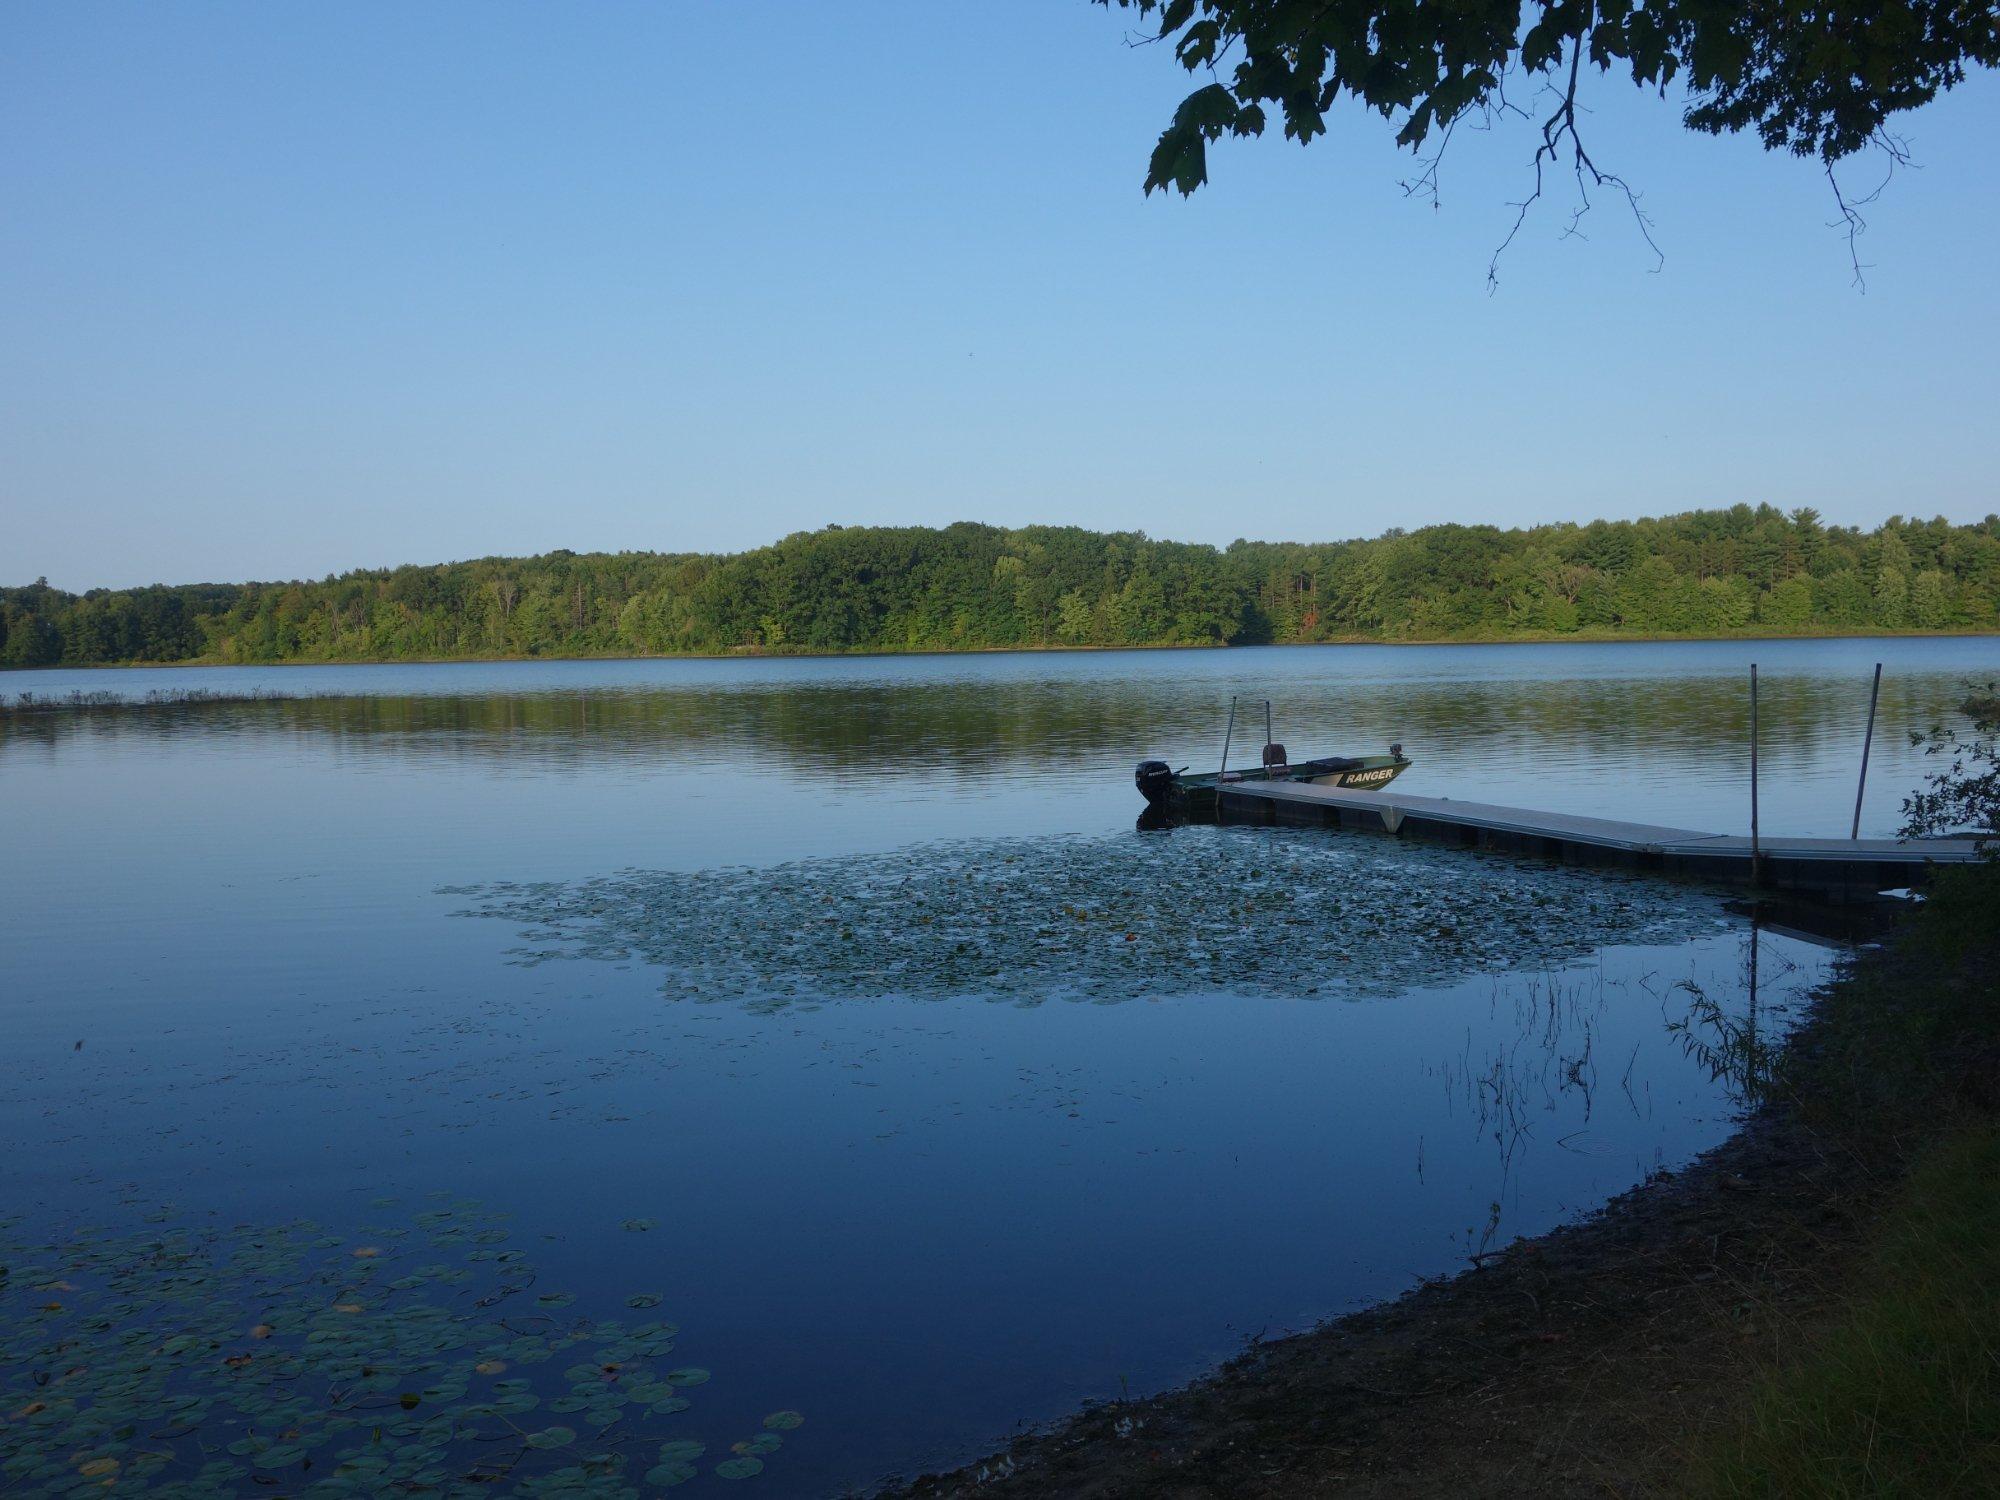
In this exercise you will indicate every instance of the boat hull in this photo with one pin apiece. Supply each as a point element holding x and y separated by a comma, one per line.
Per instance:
<point>1167,790</point>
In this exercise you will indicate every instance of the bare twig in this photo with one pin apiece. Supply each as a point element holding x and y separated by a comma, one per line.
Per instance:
<point>1897,152</point>
<point>1561,126</point>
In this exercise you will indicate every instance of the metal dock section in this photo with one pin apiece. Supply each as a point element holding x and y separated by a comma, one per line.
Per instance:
<point>1827,866</point>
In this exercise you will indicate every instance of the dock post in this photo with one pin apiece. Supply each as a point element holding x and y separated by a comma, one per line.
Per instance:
<point>1867,740</point>
<point>1227,735</point>
<point>1756,851</point>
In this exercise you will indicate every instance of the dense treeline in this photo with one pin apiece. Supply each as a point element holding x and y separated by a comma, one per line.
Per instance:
<point>1736,571</point>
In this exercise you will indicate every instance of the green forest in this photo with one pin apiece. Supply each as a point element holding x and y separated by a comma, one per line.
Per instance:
<point>1741,571</point>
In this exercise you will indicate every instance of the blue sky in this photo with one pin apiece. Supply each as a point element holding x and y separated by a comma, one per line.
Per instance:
<point>288,289</point>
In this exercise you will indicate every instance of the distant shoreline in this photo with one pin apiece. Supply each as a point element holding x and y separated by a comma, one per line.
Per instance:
<point>1526,638</point>
<point>1740,573</point>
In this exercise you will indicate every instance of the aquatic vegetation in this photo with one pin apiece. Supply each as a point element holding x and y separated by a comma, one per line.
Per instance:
<point>1106,919</point>
<point>183,1362</point>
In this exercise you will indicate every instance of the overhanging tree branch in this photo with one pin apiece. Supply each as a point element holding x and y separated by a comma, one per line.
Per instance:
<point>1815,81</point>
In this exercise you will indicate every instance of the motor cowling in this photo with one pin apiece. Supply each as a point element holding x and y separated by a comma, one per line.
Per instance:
<point>1155,779</point>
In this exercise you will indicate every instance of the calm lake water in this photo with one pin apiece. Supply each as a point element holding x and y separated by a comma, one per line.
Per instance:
<point>836,1012</point>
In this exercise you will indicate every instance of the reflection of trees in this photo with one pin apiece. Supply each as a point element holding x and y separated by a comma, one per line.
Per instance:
<point>973,727</point>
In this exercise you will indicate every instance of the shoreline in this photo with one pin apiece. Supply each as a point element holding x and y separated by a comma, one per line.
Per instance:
<point>1577,638</point>
<point>1439,1389</point>
<point>1628,1352</point>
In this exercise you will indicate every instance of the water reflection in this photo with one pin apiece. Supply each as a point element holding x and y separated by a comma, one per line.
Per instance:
<point>1667,728</point>
<point>920,1220</point>
<point>977,728</point>
<point>847,1199</point>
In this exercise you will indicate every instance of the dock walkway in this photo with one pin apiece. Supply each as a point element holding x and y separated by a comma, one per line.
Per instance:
<point>1844,866</point>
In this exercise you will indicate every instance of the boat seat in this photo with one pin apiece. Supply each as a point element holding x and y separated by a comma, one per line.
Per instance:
<point>1274,760</point>
<point>1328,765</point>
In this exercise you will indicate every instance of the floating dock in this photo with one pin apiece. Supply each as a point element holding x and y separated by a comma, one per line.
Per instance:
<point>1824,866</point>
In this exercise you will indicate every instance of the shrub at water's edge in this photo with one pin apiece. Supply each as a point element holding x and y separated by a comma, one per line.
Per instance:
<point>1742,571</point>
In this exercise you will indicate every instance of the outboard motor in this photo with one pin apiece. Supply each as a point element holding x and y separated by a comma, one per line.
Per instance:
<point>1154,778</point>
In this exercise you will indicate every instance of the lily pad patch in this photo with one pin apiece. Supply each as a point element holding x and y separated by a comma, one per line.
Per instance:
<point>205,1361</point>
<point>1273,911</point>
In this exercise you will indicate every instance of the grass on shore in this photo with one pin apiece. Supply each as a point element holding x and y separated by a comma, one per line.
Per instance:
<point>1900,1394</point>
<point>1897,1391</point>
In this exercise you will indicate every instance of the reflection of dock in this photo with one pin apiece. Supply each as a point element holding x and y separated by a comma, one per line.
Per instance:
<point>1828,865</point>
